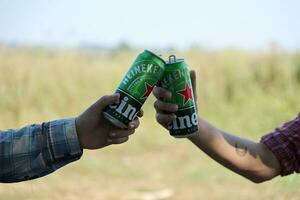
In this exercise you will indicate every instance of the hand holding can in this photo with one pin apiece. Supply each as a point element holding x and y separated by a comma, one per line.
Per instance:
<point>135,88</point>
<point>176,79</point>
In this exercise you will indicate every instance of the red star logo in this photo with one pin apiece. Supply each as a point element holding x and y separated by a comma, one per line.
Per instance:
<point>187,93</point>
<point>149,89</point>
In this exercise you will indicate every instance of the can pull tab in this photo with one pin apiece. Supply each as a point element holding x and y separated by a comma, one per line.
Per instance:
<point>172,59</point>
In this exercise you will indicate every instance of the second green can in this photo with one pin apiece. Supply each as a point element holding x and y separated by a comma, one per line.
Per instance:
<point>177,80</point>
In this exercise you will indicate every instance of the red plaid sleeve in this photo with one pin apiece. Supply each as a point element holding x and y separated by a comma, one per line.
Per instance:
<point>284,142</point>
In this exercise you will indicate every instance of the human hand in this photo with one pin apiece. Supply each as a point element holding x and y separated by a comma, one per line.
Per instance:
<point>95,132</point>
<point>165,111</point>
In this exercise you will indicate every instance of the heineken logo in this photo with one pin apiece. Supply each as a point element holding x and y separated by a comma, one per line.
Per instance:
<point>125,109</point>
<point>187,93</point>
<point>149,89</point>
<point>184,122</point>
<point>174,76</point>
<point>136,86</point>
<point>142,68</point>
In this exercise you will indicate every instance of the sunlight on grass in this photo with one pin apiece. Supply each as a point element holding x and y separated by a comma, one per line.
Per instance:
<point>246,93</point>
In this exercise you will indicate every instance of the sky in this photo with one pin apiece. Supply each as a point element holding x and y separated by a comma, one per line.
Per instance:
<point>248,24</point>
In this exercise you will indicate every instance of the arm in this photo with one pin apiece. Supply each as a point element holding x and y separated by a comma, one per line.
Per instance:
<point>250,159</point>
<point>38,150</point>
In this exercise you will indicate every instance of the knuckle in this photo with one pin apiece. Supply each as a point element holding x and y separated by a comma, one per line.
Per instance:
<point>134,123</point>
<point>156,104</point>
<point>131,132</point>
<point>162,118</point>
<point>169,107</point>
<point>137,124</point>
<point>159,118</point>
<point>155,91</point>
<point>104,98</point>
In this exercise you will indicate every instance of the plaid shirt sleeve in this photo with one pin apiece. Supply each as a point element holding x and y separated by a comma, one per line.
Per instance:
<point>284,142</point>
<point>37,150</point>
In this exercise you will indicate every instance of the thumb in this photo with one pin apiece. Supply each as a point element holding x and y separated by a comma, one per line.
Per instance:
<point>194,85</point>
<point>104,101</point>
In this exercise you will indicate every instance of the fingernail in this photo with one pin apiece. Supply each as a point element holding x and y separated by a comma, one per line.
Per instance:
<point>131,126</point>
<point>174,117</point>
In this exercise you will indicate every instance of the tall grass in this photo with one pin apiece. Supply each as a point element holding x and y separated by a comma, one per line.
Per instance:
<point>247,93</point>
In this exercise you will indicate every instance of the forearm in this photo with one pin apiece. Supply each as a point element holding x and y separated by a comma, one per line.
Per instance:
<point>37,150</point>
<point>247,158</point>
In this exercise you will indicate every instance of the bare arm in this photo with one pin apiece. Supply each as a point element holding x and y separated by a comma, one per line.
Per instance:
<point>250,159</point>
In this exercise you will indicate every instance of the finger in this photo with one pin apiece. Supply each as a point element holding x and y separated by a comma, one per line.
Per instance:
<point>161,93</point>
<point>161,106</point>
<point>120,133</point>
<point>165,119</point>
<point>118,140</point>
<point>194,83</point>
<point>105,101</point>
<point>140,113</point>
<point>134,124</point>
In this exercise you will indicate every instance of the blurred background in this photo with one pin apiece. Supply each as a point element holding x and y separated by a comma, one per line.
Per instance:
<point>58,57</point>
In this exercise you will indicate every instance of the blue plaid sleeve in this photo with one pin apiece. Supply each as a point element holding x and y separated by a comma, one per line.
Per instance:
<point>37,150</point>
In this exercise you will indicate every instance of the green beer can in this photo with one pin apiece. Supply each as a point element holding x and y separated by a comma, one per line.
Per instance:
<point>135,88</point>
<point>177,80</point>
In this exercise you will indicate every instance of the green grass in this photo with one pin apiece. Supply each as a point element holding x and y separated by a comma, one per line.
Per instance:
<point>247,93</point>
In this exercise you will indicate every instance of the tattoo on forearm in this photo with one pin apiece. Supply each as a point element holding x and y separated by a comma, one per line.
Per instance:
<point>241,150</point>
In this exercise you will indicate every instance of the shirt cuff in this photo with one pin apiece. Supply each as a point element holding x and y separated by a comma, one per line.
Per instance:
<point>284,144</point>
<point>62,140</point>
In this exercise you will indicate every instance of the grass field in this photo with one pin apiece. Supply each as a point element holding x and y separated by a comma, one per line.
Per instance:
<point>247,93</point>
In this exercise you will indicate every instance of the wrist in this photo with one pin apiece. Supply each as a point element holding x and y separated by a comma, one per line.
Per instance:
<point>205,130</point>
<point>79,131</point>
